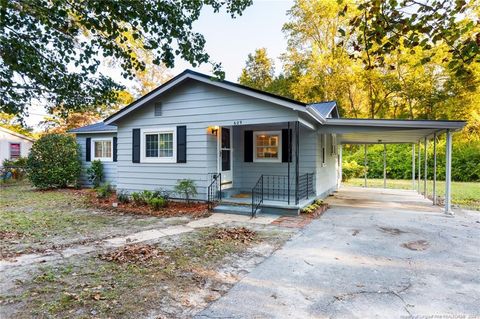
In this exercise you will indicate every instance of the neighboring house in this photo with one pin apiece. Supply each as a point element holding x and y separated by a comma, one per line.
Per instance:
<point>13,145</point>
<point>283,152</point>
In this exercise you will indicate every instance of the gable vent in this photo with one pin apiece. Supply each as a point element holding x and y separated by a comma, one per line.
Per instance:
<point>158,109</point>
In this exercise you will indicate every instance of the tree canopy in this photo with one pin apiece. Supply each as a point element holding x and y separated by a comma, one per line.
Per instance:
<point>51,51</point>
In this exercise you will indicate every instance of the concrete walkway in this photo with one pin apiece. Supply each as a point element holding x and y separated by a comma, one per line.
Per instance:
<point>375,254</point>
<point>142,236</point>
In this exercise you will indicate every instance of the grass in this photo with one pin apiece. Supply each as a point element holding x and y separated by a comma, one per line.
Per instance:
<point>94,287</point>
<point>465,194</point>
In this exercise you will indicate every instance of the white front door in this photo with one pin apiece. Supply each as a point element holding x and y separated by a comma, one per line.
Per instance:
<point>225,159</point>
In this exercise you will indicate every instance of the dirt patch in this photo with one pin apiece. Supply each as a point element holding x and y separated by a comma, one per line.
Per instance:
<point>417,245</point>
<point>173,278</point>
<point>392,231</point>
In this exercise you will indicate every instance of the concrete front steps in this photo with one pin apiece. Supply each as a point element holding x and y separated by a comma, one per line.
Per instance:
<point>227,208</point>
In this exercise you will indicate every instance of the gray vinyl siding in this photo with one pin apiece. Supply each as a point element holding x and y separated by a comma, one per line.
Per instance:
<point>109,168</point>
<point>198,106</point>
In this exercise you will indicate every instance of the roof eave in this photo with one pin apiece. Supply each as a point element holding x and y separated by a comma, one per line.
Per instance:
<point>415,124</point>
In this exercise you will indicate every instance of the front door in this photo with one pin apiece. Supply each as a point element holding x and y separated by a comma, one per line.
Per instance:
<point>225,156</point>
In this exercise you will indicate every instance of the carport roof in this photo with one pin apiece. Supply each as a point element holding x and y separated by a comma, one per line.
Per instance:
<point>376,131</point>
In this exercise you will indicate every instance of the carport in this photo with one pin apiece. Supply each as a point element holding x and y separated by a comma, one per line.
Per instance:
<point>414,132</point>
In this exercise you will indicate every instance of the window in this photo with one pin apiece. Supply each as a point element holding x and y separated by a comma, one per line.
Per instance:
<point>159,146</point>
<point>102,149</point>
<point>14,150</point>
<point>268,146</point>
<point>333,144</point>
<point>323,138</point>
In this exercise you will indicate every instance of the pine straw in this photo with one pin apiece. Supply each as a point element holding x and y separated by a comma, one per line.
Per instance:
<point>174,208</point>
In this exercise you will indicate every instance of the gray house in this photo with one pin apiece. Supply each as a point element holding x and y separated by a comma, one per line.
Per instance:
<point>238,144</point>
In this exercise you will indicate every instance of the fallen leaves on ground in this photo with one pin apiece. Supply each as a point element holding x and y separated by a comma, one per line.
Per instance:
<point>9,235</point>
<point>241,234</point>
<point>417,245</point>
<point>135,253</point>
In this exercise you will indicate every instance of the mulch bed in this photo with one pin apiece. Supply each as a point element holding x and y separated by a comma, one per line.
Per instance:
<point>301,220</point>
<point>174,208</point>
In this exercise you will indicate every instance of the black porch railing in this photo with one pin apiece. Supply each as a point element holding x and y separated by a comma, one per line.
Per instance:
<point>305,186</point>
<point>257,196</point>
<point>214,190</point>
<point>277,188</point>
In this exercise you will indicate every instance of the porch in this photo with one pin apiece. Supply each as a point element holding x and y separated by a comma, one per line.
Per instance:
<point>267,167</point>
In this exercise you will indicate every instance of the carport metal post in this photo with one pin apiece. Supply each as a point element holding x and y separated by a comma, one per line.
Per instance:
<point>425,169</point>
<point>448,174</point>
<point>365,166</point>
<point>434,186</point>
<point>419,167</point>
<point>413,166</point>
<point>384,165</point>
<point>340,164</point>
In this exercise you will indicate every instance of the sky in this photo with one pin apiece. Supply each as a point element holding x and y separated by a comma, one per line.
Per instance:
<point>228,40</point>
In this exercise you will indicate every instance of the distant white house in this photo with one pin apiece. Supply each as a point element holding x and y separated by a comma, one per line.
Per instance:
<point>13,145</point>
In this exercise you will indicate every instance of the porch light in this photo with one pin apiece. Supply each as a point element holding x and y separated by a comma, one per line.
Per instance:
<point>213,130</point>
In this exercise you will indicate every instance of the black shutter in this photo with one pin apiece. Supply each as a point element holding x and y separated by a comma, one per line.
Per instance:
<point>181,144</point>
<point>248,145</point>
<point>88,149</point>
<point>136,145</point>
<point>114,148</point>
<point>286,148</point>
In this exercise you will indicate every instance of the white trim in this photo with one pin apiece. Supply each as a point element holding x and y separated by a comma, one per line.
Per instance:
<point>10,150</point>
<point>92,149</point>
<point>220,84</point>
<point>6,130</point>
<point>437,124</point>
<point>159,130</point>
<point>267,160</point>
<point>94,132</point>
<point>315,114</point>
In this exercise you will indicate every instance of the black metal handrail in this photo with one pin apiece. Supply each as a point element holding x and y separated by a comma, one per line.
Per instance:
<point>214,190</point>
<point>257,196</point>
<point>305,185</point>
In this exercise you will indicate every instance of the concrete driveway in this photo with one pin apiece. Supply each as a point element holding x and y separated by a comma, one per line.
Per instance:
<point>375,254</point>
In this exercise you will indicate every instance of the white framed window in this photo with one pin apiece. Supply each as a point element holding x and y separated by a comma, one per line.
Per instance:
<point>159,145</point>
<point>15,151</point>
<point>267,146</point>
<point>102,149</point>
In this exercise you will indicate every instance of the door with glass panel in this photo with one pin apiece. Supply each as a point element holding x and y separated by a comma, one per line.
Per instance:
<point>225,156</point>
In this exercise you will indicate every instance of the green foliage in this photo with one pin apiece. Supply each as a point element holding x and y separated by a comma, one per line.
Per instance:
<point>259,70</point>
<point>19,162</point>
<point>14,168</point>
<point>54,161</point>
<point>95,173</point>
<point>104,190</point>
<point>351,170</point>
<point>186,188</point>
<point>58,47</point>
<point>312,208</point>
<point>145,197</point>
<point>157,202</point>
<point>384,26</point>
<point>123,197</point>
<point>465,161</point>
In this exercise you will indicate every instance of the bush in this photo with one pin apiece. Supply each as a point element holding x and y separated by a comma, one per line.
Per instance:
<point>54,161</point>
<point>351,170</point>
<point>144,197</point>
<point>123,197</point>
<point>104,190</point>
<point>95,173</point>
<point>186,188</point>
<point>157,202</point>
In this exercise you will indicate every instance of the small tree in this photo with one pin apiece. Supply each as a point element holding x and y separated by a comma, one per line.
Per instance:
<point>54,161</point>
<point>186,188</point>
<point>95,173</point>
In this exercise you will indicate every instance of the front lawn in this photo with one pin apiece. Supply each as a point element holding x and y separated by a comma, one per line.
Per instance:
<point>33,220</point>
<point>463,193</point>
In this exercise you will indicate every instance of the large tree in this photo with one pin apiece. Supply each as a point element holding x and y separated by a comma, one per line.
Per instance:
<point>50,50</point>
<point>259,70</point>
